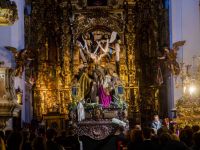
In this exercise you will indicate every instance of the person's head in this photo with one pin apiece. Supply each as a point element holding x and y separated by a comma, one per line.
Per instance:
<point>41,131</point>
<point>166,120</point>
<point>63,133</point>
<point>196,138</point>
<point>39,143</point>
<point>25,135</point>
<point>7,134</point>
<point>110,71</point>
<point>195,128</point>
<point>147,133</point>
<point>136,136</point>
<point>174,137</point>
<point>50,134</point>
<point>14,141</point>
<point>85,69</point>
<point>71,131</point>
<point>156,118</point>
<point>137,127</point>
<point>165,138</point>
<point>162,130</point>
<point>186,136</point>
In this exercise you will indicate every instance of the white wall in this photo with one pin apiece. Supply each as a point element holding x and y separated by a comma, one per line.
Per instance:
<point>185,25</point>
<point>14,36</point>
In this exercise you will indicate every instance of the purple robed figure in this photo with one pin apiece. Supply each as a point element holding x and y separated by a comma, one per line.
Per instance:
<point>105,99</point>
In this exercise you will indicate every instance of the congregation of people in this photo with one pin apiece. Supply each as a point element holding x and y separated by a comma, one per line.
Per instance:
<point>159,135</point>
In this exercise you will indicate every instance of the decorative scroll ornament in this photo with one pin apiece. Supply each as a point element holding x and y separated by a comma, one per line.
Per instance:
<point>8,13</point>
<point>95,130</point>
<point>86,22</point>
<point>8,102</point>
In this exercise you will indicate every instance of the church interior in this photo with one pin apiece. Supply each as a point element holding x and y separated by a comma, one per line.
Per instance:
<point>91,66</point>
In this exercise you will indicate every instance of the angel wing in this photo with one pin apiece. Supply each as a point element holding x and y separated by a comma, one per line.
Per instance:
<point>18,54</point>
<point>176,45</point>
<point>11,49</point>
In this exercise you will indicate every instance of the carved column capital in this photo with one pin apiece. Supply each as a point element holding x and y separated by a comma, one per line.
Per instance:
<point>8,100</point>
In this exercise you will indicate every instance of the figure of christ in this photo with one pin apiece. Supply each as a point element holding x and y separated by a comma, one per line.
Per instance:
<point>94,55</point>
<point>93,94</point>
<point>96,50</point>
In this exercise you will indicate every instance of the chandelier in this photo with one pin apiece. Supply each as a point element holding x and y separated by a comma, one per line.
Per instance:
<point>8,12</point>
<point>189,78</point>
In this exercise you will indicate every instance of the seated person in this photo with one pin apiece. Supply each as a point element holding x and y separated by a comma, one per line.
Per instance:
<point>156,124</point>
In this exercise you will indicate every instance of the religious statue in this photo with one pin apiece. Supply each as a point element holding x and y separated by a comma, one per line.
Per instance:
<point>21,58</point>
<point>98,85</point>
<point>97,82</point>
<point>170,55</point>
<point>84,82</point>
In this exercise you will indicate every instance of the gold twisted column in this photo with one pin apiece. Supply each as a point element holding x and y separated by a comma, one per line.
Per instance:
<point>133,84</point>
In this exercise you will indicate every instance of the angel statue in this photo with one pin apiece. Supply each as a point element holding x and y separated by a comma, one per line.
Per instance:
<point>170,56</point>
<point>21,56</point>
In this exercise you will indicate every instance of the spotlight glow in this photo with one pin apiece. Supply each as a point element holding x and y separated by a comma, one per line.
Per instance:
<point>192,89</point>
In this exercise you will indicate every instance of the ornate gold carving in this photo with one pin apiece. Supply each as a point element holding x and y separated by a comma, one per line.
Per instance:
<point>188,110</point>
<point>8,13</point>
<point>53,39</point>
<point>52,88</point>
<point>82,4</point>
<point>133,87</point>
<point>85,22</point>
<point>51,47</point>
<point>53,84</point>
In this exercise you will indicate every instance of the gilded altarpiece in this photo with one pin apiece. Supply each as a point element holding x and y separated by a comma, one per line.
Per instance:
<point>48,39</point>
<point>53,29</point>
<point>52,36</point>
